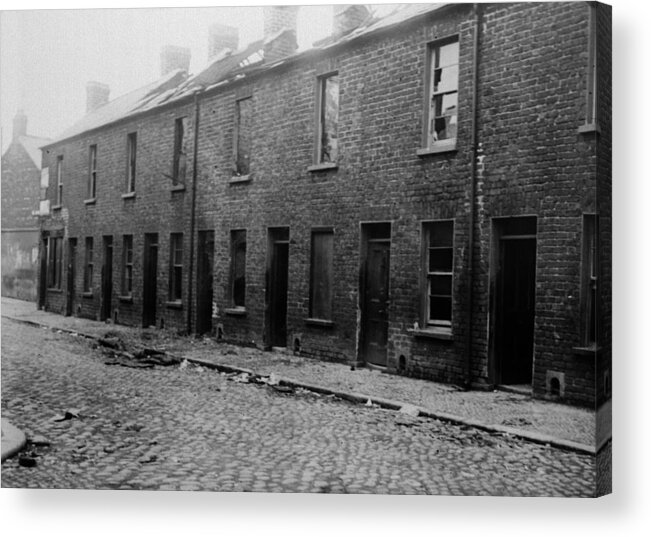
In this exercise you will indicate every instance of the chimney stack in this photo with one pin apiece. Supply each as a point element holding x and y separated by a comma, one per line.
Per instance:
<point>220,38</point>
<point>20,124</point>
<point>347,17</point>
<point>173,58</point>
<point>97,95</point>
<point>279,32</point>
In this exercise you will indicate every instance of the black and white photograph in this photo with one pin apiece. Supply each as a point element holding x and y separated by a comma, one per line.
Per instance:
<point>348,249</point>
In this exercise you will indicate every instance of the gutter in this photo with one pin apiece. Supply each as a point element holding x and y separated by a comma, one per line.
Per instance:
<point>473,194</point>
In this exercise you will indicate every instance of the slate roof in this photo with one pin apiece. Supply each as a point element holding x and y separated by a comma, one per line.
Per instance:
<point>227,67</point>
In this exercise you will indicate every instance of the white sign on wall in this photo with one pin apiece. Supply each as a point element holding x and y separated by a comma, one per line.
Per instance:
<point>45,177</point>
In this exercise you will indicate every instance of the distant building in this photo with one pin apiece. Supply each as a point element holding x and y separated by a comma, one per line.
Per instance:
<point>427,193</point>
<point>21,192</point>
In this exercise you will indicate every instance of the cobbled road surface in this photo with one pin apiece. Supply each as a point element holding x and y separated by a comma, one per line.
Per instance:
<point>175,428</point>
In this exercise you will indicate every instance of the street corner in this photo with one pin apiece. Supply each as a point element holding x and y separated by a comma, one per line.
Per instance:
<point>13,439</point>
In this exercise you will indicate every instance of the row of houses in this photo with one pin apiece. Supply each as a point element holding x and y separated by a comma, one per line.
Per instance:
<point>427,193</point>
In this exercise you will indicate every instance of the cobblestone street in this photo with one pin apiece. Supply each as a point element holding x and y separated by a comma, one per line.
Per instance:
<point>192,428</point>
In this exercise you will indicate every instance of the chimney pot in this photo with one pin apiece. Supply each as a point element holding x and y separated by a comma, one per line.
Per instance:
<point>347,17</point>
<point>220,38</point>
<point>20,124</point>
<point>97,95</point>
<point>279,31</point>
<point>173,58</point>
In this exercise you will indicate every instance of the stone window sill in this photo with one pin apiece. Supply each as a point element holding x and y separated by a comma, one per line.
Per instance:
<point>178,188</point>
<point>90,201</point>
<point>174,305</point>
<point>324,166</point>
<point>87,294</point>
<point>56,207</point>
<point>445,146</point>
<point>128,299</point>
<point>236,179</point>
<point>325,323</point>
<point>54,290</point>
<point>589,128</point>
<point>128,195</point>
<point>431,333</point>
<point>235,312</point>
<point>591,350</point>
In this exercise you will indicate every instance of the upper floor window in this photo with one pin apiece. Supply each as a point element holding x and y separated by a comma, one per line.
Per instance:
<point>243,130</point>
<point>442,93</point>
<point>180,150</point>
<point>591,95</point>
<point>438,271</point>
<point>328,119</point>
<point>92,171</point>
<point>131,162</point>
<point>59,193</point>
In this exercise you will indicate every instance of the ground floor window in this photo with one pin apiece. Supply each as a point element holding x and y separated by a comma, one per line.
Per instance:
<point>589,280</point>
<point>127,265</point>
<point>238,268</point>
<point>54,262</point>
<point>438,263</point>
<point>176,267</point>
<point>321,274</point>
<point>88,265</point>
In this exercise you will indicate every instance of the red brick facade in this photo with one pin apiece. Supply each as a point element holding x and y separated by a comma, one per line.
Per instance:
<point>524,107</point>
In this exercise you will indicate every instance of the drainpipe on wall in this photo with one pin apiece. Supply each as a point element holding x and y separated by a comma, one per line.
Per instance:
<point>195,151</point>
<point>473,192</point>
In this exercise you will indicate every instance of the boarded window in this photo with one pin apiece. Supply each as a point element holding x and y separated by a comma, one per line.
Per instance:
<point>589,280</point>
<point>180,150</point>
<point>55,262</point>
<point>88,265</point>
<point>59,193</point>
<point>243,127</point>
<point>328,142</point>
<point>439,263</point>
<point>238,268</point>
<point>321,278</point>
<point>443,80</point>
<point>131,162</point>
<point>127,265</point>
<point>176,267</point>
<point>92,171</point>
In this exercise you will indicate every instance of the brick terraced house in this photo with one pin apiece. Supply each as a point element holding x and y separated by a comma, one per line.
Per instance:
<point>427,193</point>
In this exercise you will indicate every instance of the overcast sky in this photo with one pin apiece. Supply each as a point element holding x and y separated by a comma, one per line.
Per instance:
<point>47,56</point>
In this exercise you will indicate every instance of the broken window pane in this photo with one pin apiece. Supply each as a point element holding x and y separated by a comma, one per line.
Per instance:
<point>443,92</point>
<point>329,118</point>
<point>180,150</point>
<point>244,120</point>
<point>131,162</point>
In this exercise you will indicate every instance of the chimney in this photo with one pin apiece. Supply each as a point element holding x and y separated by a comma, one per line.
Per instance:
<point>20,124</point>
<point>347,17</point>
<point>279,32</point>
<point>172,58</point>
<point>97,94</point>
<point>220,38</point>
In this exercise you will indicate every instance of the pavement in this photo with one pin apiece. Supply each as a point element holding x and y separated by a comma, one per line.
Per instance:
<point>513,415</point>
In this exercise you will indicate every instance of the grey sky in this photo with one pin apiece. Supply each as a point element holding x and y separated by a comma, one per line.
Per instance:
<point>47,56</point>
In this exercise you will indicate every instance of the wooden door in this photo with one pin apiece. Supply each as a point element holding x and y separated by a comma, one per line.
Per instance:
<point>375,319</point>
<point>42,280</point>
<point>107,279</point>
<point>516,310</point>
<point>205,258</point>
<point>278,281</point>
<point>71,274</point>
<point>150,273</point>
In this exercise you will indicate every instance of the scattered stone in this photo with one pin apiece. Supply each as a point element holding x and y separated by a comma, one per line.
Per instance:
<point>40,441</point>
<point>109,449</point>
<point>147,460</point>
<point>67,415</point>
<point>410,410</point>
<point>27,462</point>
<point>111,342</point>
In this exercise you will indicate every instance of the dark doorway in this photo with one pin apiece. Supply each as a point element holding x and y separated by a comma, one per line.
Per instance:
<point>515,301</point>
<point>150,273</point>
<point>42,280</point>
<point>205,258</point>
<point>71,272</point>
<point>107,278</point>
<point>375,293</point>
<point>278,265</point>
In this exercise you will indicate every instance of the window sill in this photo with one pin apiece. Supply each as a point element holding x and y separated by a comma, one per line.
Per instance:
<point>54,290</point>
<point>592,350</point>
<point>431,333</point>
<point>90,201</point>
<point>56,207</point>
<point>128,299</point>
<point>323,167</point>
<point>446,146</point>
<point>128,195</point>
<point>178,188</point>
<point>240,179</point>
<point>235,312</point>
<point>174,304</point>
<point>319,322</point>
<point>589,128</point>
<point>87,294</point>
